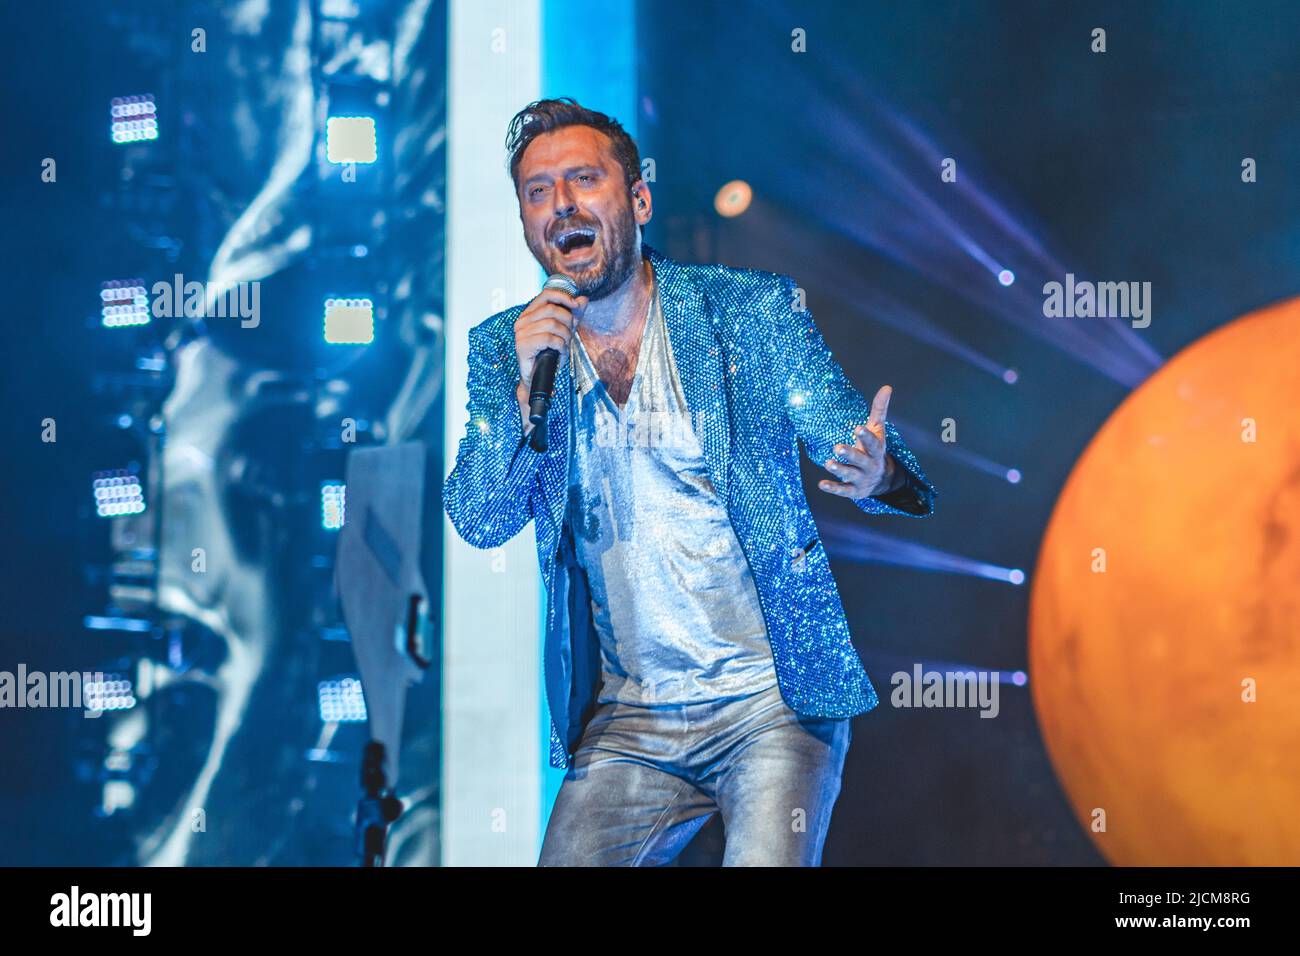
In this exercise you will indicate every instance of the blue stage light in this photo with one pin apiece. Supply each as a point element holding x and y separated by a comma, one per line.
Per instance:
<point>96,622</point>
<point>1013,475</point>
<point>134,119</point>
<point>112,692</point>
<point>855,543</point>
<point>350,139</point>
<point>117,493</point>
<point>333,501</point>
<point>124,302</point>
<point>341,701</point>
<point>1006,277</point>
<point>349,321</point>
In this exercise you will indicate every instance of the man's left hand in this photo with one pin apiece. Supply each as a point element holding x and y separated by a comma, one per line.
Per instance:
<point>867,470</point>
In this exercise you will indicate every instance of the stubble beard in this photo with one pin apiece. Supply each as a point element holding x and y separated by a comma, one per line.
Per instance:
<point>619,262</point>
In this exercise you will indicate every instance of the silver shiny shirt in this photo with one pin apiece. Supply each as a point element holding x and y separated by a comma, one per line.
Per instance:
<point>673,599</point>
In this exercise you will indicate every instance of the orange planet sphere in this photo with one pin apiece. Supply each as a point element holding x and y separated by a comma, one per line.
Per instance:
<point>1164,630</point>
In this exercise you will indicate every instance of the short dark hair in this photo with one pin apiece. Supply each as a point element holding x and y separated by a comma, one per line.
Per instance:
<point>546,115</point>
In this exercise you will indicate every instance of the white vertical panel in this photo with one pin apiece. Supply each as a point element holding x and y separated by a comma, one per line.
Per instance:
<point>492,756</point>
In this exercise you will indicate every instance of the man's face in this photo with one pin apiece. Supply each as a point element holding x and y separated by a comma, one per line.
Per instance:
<point>579,216</point>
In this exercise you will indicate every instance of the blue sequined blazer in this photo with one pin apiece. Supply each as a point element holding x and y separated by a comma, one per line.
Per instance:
<point>757,376</point>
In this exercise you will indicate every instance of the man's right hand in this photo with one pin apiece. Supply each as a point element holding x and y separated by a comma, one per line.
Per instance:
<point>547,322</point>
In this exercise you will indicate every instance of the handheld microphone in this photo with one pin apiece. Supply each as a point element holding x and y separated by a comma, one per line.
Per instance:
<point>544,368</point>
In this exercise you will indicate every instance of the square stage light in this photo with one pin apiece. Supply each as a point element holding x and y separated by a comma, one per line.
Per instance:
<point>349,321</point>
<point>350,139</point>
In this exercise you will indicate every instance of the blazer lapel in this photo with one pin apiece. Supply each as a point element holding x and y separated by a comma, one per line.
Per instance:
<point>700,358</point>
<point>559,439</point>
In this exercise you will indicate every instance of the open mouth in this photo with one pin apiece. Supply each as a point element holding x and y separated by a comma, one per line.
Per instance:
<point>572,240</point>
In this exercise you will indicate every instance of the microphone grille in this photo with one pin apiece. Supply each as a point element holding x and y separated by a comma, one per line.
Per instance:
<point>561,282</point>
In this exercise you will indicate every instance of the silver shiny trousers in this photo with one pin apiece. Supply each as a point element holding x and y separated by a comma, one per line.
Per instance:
<point>644,780</point>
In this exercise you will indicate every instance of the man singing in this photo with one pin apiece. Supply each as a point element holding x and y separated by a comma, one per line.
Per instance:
<point>697,655</point>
